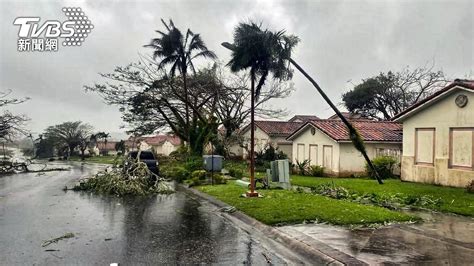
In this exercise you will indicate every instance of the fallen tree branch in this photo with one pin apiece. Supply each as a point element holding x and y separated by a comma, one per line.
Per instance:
<point>55,240</point>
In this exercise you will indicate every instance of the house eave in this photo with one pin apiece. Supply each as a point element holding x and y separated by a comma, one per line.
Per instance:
<point>428,103</point>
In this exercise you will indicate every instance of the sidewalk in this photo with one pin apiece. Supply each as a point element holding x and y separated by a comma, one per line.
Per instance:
<point>440,240</point>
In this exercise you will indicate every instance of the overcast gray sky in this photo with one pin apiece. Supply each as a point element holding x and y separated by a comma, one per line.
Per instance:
<point>341,43</point>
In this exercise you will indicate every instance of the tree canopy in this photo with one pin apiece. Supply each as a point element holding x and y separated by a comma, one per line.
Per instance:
<point>11,125</point>
<point>385,95</point>
<point>67,136</point>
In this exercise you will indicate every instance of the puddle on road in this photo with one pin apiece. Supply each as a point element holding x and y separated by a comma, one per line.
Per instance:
<point>172,229</point>
<point>429,242</point>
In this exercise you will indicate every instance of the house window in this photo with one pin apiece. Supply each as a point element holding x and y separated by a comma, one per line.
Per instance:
<point>461,148</point>
<point>424,146</point>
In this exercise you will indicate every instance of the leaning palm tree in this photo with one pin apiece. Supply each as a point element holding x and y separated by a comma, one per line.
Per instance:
<point>280,47</point>
<point>178,51</point>
<point>253,49</point>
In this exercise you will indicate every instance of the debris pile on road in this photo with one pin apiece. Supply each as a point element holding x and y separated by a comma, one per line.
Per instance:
<point>26,166</point>
<point>137,179</point>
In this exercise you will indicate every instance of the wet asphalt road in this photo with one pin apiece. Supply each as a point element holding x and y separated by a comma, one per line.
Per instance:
<point>163,229</point>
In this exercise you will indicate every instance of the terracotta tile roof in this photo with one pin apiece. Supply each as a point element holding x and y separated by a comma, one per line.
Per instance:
<point>350,116</point>
<point>276,128</point>
<point>379,131</point>
<point>110,146</point>
<point>465,83</point>
<point>303,118</point>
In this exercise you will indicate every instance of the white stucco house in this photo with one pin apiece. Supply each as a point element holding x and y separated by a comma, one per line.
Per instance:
<point>271,132</point>
<point>104,147</point>
<point>326,142</point>
<point>160,144</point>
<point>438,137</point>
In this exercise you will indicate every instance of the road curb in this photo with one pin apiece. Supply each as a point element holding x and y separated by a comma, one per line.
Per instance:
<point>321,255</point>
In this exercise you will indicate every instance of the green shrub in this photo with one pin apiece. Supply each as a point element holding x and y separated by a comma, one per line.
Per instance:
<point>194,163</point>
<point>179,173</point>
<point>316,170</point>
<point>218,179</point>
<point>302,167</point>
<point>384,166</point>
<point>236,173</point>
<point>262,168</point>
<point>199,174</point>
<point>470,187</point>
<point>195,181</point>
<point>180,153</point>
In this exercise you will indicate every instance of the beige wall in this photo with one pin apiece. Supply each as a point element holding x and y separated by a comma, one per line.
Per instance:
<point>168,148</point>
<point>262,139</point>
<point>441,116</point>
<point>352,161</point>
<point>346,160</point>
<point>320,139</point>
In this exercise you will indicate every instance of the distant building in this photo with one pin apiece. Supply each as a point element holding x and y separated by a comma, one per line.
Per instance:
<point>438,137</point>
<point>271,133</point>
<point>160,144</point>
<point>326,143</point>
<point>350,116</point>
<point>102,147</point>
<point>303,118</point>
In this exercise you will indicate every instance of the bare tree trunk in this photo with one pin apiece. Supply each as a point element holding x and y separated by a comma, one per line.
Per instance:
<point>252,132</point>
<point>356,140</point>
<point>185,86</point>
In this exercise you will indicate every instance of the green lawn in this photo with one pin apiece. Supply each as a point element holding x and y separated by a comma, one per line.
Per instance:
<point>454,200</point>
<point>108,159</point>
<point>287,207</point>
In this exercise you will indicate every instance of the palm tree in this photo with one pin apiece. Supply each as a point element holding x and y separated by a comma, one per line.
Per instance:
<point>104,136</point>
<point>254,49</point>
<point>280,46</point>
<point>179,51</point>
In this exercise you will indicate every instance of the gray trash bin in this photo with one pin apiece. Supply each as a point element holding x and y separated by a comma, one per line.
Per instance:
<point>213,162</point>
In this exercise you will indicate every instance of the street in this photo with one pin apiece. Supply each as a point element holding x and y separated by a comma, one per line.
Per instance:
<point>171,229</point>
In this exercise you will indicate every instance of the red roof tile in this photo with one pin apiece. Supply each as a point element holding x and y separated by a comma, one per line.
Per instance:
<point>303,118</point>
<point>350,116</point>
<point>276,128</point>
<point>465,83</point>
<point>380,131</point>
<point>110,146</point>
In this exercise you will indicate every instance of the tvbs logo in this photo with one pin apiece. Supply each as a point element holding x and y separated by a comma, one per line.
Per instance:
<point>34,36</point>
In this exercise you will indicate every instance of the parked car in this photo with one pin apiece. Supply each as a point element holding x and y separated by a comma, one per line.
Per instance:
<point>145,156</point>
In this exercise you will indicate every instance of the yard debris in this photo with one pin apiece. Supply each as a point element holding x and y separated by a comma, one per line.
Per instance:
<point>137,179</point>
<point>228,209</point>
<point>55,240</point>
<point>267,258</point>
<point>390,201</point>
